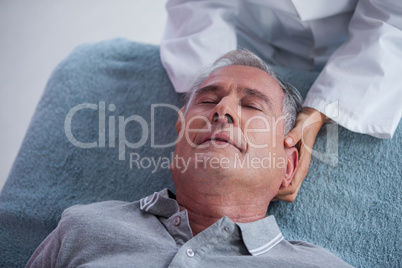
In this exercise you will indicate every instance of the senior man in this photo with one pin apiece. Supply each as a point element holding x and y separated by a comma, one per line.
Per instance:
<point>231,133</point>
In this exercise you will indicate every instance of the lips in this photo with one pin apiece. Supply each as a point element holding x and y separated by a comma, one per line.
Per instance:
<point>222,137</point>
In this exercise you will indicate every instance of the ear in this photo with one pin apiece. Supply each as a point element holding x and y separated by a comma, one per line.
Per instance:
<point>180,120</point>
<point>292,160</point>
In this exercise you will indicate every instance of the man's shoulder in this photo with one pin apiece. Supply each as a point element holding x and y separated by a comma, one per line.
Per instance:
<point>109,212</point>
<point>314,254</point>
<point>101,207</point>
<point>102,212</point>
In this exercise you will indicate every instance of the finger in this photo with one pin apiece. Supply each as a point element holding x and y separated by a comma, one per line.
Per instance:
<point>292,188</point>
<point>291,197</point>
<point>288,197</point>
<point>293,136</point>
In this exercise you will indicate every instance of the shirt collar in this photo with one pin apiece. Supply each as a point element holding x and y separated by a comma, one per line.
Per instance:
<point>258,236</point>
<point>161,204</point>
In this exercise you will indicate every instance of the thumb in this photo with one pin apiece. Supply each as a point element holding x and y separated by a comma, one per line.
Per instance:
<point>294,136</point>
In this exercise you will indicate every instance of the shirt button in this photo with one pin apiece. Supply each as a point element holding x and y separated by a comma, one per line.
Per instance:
<point>176,221</point>
<point>226,229</point>
<point>190,253</point>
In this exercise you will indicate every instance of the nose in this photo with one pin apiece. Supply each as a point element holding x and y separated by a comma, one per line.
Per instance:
<point>228,118</point>
<point>225,112</point>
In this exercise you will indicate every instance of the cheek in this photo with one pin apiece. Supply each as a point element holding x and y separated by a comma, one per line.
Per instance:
<point>257,130</point>
<point>264,137</point>
<point>194,123</point>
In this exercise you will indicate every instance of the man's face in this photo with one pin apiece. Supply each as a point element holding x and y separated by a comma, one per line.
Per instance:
<point>232,134</point>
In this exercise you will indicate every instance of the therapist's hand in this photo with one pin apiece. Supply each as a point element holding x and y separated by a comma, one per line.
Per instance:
<point>308,123</point>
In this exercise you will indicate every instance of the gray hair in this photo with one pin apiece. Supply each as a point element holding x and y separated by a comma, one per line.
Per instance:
<point>292,101</point>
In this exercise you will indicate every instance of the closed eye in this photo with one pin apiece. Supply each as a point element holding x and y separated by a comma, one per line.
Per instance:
<point>209,102</point>
<point>252,107</point>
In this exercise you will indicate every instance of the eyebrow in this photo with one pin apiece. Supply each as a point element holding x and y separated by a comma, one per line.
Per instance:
<point>211,88</point>
<point>246,91</point>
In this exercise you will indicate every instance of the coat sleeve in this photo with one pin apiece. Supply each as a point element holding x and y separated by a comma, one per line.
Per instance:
<point>192,29</point>
<point>361,86</point>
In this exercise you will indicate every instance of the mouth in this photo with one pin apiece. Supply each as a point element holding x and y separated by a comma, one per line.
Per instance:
<point>220,139</point>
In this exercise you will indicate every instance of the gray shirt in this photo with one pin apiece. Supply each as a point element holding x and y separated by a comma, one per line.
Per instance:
<point>153,232</point>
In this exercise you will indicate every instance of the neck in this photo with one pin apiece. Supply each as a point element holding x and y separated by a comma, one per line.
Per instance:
<point>205,209</point>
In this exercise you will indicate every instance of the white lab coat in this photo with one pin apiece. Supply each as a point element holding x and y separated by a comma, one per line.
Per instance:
<point>360,86</point>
